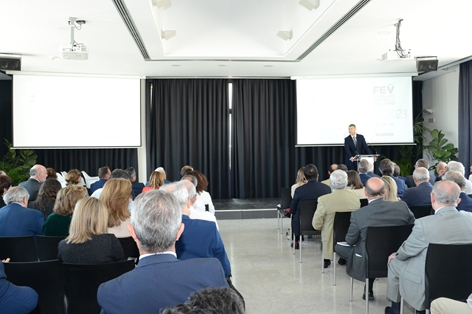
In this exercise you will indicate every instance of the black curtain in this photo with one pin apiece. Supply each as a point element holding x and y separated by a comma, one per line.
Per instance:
<point>187,124</point>
<point>6,125</point>
<point>465,114</point>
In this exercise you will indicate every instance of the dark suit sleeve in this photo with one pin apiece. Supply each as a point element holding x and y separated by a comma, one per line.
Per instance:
<point>15,299</point>
<point>295,201</point>
<point>38,223</point>
<point>347,148</point>
<point>353,232</point>
<point>365,148</point>
<point>219,252</point>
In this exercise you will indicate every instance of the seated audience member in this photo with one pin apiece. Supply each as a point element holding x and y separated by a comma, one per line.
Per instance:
<point>136,186</point>
<point>204,197</point>
<point>73,177</point>
<point>46,197</point>
<point>299,181</point>
<point>15,219</point>
<point>378,213</point>
<point>103,175</point>
<point>354,183</point>
<point>187,168</point>
<point>116,196</point>
<point>163,280</point>
<point>88,241</point>
<point>441,169</point>
<point>450,306</point>
<point>363,168</point>
<point>459,167</point>
<point>163,171</point>
<point>5,184</point>
<point>3,173</point>
<point>15,299</point>
<point>340,200</point>
<point>57,224</point>
<point>343,167</point>
<point>196,214</point>
<point>38,175</point>
<point>200,238</point>
<point>330,171</point>
<point>210,300</point>
<point>51,173</point>
<point>390,189</point>
<point>156,180</point>
<point>406,267</point>
<point>421,194</point>
<point>115,174</point>
<point>420,163</point>
<point>386,168</point>
<point>465,202</point>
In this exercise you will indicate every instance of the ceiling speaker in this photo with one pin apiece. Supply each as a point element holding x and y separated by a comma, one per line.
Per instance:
<point>424,66</point>
<point>10,62</point>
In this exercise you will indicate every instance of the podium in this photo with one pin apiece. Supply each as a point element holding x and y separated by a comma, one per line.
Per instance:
<point>370,158</point>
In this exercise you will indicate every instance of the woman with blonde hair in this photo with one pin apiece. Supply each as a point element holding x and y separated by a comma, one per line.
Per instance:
<point>156,180</point>
<point>73,177</point>
<point>390,189</point>
<point>300,180</point>
<point>88,241</point>
<point>116,195</point>
<point>57,224</point>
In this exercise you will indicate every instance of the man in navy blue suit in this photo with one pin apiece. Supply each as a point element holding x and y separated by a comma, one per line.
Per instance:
<point>464,201</point>
<point>386,169</point>
<point>363,168</point>
<point>15,299</point>
<point>421,194</point>
<point>159,280</point>
<point>354,144</point>
<point>15,219</point>
<point>103,175</point>
<point>310,191</point>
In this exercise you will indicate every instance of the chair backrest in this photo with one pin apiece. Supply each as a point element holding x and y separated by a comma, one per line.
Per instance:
<point>380,243</point>
<point>447,272</point>
<point>82,282</point>
<point>45,278</point>
<point>307,210</point>
<point>47,247</point>
<point>285,197</point>
<point>364,202</point>
<point>129,247</point>
<point>342,220</point>
<point>18,249</point>
<point>421,211</point>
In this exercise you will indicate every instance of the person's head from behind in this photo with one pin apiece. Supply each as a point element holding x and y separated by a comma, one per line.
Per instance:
<point>16,194</point>
<point>119,173</point>
<point>457,178</point>
<point>332,168</point>
<point>456,166</point>
<point>115,196</point>
<point>156,180</point>
<point>396,170</point>
<point>311,172</point>
<point>201,179</point>
<point>386,167</point>
<point>374,188</point>
<point>104,173</point>
<point>189,177</point>
<point>73,177</point>
<point>363,166</point>
<point>441,167</point>
<point>5,184</point>
<point>49,189</point>
<point>422,163</point>
<point>343,167</point>
<point>391,188</point>
<point>156,222</point>
<point>185,169</point>
<point>51,173</point>
<point>301,175</point>
<point>192,191</point>
<point>338,179</point>
<point>163,171</point>
<point>420,175</point>
<point>67,198</point>
<point>181,194</point>
<point>445,193</point>
<point>132,173</point>
<point>39,172</point>
<point>354,180</point>
<point>90,218</point>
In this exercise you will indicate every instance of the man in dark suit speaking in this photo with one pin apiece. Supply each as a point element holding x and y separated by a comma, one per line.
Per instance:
<point>354,144</point>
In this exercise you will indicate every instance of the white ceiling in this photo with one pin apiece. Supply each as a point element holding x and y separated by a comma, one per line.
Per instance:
<point>235,38</point>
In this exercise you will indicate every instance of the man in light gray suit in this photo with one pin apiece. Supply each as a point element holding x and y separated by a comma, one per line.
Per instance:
<point>406,267</point>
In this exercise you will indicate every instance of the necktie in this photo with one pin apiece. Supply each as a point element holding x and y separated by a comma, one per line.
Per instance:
<point>355,141</point>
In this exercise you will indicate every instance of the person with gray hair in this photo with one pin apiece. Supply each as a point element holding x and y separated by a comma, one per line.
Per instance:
<point>136,185</point>
<point>340,200</point>
<point>465,202</point>
<point>196,214</point>
<point>38,174</point>
<point>190,178</point>
<point>386,168</point>
<point>200,238</point>
<point>406,267</point>
<point>163,280</point>
<point>410,183</point>
<point>459,167</point>
<point>419,195</point>
<point>363,169</point>
<point>15,219</point>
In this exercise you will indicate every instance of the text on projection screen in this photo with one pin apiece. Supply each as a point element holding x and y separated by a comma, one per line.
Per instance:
<point>381,109</point>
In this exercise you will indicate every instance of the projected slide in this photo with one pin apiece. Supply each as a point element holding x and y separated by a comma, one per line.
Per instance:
<point>381,108</point>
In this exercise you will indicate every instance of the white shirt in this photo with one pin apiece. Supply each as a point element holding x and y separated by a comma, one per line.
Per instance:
<point>196,214</point>
<point>202,199</point>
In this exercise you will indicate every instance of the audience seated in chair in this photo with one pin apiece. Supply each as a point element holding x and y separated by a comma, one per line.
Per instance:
<point>450,306</point>
<point>410,183</point>
<point>156,180</point>
<point>354,183</point>
<point>136,186</point>
<point>331,169</point>
<point>420,195</point>
<point>465,203</point>
<point>116,196</point>
<point>103,175</point>
<point>363,168</point>
<point>203,197</point>
<point>38,174</point>
<point>46,197</point>
<point>15,299</point>
<point>196,214</point>
<point>390,189</point>
<point>300,180</point>
<point>459,167</point>
<point>5,184</point>
<point>386,168</point>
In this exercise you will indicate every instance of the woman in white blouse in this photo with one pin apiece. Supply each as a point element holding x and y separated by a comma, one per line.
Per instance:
<point>300,180</point>
<point>203,197</point>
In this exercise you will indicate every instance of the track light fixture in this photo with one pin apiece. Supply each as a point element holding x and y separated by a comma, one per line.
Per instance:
<point>285,35</point>
<point>310,4</point>
<point>168,34</point>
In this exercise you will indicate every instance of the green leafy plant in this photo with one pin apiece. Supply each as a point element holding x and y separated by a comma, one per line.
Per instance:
<point>439,149</point>
<point>17,163</point>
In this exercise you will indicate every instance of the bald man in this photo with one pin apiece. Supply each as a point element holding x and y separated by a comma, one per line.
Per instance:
<point>38,174</point>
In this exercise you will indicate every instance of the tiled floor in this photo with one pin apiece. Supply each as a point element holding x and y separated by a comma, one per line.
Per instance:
<point>272,280</point>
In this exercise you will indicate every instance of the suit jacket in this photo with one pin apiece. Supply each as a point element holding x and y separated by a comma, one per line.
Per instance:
<point>97,185</point>
<point>419,195</point>
<point>137,187</point>
<point>353,150</point>
<point>378,213</point>
<point>466,203</point>
<point>17,221</point>
<point>411,183</point>
<point>401,186</point>
<point>14,299</point>
<point>310,191</point>
<point>157,282</point>
<point>338,201</point>
<point>364,177</point>
<point>447,226</point>
<point>32,186</point>
<point>201,238</point>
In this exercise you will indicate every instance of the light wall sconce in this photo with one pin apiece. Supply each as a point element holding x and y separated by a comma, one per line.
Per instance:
<point>161,3</point>
<point>285,35</point>
<point>310,4</point>
<point>168,34</point>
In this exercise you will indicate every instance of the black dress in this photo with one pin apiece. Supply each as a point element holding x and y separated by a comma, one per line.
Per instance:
<point>104,248</point>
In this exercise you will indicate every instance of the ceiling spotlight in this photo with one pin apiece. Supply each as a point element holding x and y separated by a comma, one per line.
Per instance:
<point>285,35</point>
<point>310,4</point>
<point>161,3</point>
<point>168,34</point>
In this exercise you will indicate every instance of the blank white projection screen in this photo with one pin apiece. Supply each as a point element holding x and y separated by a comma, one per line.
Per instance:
<point>76,112</point>
<point>381,109</point>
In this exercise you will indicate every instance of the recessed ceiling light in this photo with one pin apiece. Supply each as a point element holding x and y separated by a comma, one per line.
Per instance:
<point>383,33</point>
<point>222,65</point>
<point>268,66</point>
<point>176,65</point>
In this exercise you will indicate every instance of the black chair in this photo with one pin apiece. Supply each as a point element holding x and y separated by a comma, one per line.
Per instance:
<point>342,220</point>
<point>82,281</point>
<point>18,249</point>
<point>364,202</point>
<point>45,278</point>
<point>307,211</point>
<point>285,201</point>
<point>380,243</point>
<point>129,247</point>
<point>47,247</point>
<point>421,211</point>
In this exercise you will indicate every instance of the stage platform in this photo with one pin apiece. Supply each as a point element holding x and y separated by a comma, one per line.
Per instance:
<point>250,208</point>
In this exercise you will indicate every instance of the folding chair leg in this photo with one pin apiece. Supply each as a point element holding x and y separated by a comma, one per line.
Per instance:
<point>300,245</point>
<point>322,263</point>
<point>401,305</point>
<point>367,296</point>
<point>334,269</point>
<point>352,287</point>
<point>293,244</point>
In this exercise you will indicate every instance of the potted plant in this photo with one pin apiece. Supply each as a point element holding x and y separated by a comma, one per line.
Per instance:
<point>17,163</point>
<point>439,149</point>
